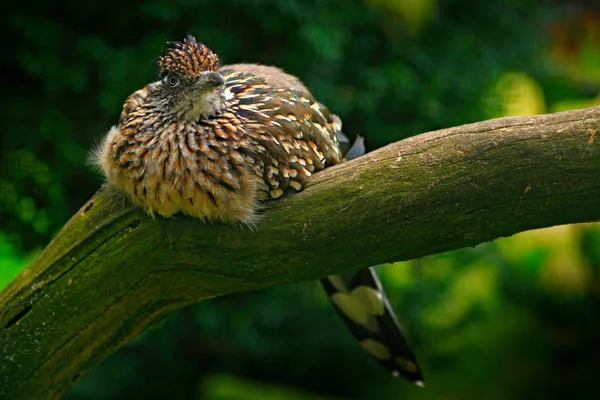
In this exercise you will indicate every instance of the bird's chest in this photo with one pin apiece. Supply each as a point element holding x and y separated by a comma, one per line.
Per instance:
<point>194,168</point>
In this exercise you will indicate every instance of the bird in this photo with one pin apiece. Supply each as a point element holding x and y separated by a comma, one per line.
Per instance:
<point>216,142</point>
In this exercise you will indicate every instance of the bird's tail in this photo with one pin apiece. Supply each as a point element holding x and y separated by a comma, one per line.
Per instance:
<point>359,299</point>
<point>350,152</point>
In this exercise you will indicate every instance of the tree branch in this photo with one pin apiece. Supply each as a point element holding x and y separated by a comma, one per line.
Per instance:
<point>113,270</point>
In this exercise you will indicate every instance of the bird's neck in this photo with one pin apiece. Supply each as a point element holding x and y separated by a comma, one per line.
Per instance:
<point>206,105</point>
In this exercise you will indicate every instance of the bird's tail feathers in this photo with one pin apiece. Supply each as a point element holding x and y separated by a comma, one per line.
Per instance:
<point>360,300</point>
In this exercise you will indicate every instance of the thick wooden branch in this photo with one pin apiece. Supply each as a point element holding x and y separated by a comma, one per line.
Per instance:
<point>113,270</point>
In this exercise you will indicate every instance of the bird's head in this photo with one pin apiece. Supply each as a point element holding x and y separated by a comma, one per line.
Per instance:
<point>190,80</point>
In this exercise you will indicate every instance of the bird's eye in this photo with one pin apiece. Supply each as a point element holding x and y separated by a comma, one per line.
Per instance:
<point>171,80</point>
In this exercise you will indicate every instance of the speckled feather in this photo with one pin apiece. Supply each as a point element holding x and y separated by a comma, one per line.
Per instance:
<point>212,143</point>
<point>189,59</point>
<point>264,141</point>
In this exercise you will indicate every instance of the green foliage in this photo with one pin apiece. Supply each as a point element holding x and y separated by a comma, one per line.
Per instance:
<point>511,319</point>
<point>11,261</point>
<point>500,320</point>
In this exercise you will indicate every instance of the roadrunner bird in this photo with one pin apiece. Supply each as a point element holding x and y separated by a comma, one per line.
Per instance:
<point>213,142</point>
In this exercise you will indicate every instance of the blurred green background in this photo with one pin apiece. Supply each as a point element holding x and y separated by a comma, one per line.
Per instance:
<point>516,318</point>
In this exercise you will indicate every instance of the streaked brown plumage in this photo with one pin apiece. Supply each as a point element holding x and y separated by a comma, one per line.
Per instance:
<point>212,142</point>
<point>211,148</point>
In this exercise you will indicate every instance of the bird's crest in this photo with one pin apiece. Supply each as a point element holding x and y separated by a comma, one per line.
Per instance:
<point>188,59</point>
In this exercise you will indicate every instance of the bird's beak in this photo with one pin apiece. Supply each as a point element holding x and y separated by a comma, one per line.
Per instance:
<point>210,80</point>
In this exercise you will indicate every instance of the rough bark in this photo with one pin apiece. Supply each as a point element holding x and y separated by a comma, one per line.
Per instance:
<point>113,270</point>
